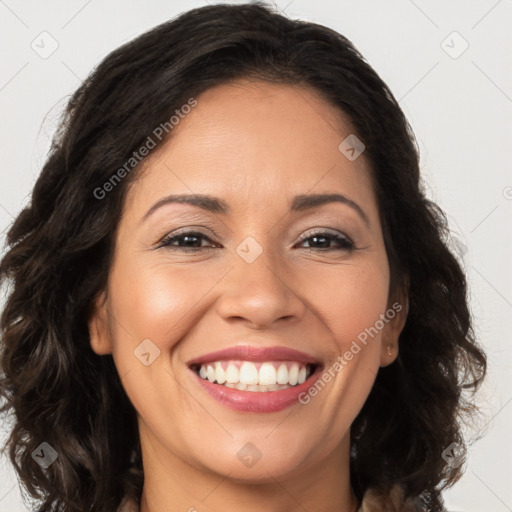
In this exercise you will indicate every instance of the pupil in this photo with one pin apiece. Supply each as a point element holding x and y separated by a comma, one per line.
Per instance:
<point>320,238</point>
<point>189,238</point>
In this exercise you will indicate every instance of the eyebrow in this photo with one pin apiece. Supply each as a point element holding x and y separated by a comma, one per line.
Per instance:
<point>299,203</point>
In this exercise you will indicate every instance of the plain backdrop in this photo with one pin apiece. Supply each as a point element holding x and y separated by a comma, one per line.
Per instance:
<point>449,63</point>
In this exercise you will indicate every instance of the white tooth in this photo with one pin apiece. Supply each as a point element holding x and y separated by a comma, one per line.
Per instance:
<point>282,374</point>
<point>220,374</point>
<point>241,387</point>
<point>202,372</point>
<point>248,373</point>
<point>263,388</point>
<point>230,385</point>
<point>293,374</point>
<point>267,374</point>
<point>302,374</point>
<point>253,387</point>
<point>274,387</point>
<point>210,373</point>
<point>232,374</point>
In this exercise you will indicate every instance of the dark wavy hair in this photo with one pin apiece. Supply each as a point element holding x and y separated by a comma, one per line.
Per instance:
<point>60,248</point>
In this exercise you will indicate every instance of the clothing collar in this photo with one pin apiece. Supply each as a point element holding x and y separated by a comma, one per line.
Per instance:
<point>373,501</point>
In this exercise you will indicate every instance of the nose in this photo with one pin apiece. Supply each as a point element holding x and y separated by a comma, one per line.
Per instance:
<point>260,293</point>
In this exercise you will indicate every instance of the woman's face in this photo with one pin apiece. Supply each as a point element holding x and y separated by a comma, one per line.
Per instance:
<point>267,270</point>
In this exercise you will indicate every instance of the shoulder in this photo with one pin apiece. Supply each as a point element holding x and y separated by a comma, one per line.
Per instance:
<point>373,501</point>
<point>128,505</point>
<point>391,501</point>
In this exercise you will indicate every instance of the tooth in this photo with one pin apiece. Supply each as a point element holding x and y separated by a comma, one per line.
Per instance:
<point>249,378</point>
<point>210,373</point>
<point>220,374</point>
<point>282,374</point>
<point>293,374</point>
<point>232,374</point>
<point>248,373</point>
<point>267,374</point>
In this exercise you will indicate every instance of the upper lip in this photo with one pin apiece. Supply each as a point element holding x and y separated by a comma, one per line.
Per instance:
<point>256,354</point>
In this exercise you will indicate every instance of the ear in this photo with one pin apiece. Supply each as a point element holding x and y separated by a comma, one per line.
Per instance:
<point>98,326</point>
<point>396,315</point>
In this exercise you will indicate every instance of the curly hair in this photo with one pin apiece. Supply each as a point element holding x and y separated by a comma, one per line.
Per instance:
<point>60,249</point>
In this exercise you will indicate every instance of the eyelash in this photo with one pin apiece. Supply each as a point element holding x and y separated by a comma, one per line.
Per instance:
<point>345,243</point>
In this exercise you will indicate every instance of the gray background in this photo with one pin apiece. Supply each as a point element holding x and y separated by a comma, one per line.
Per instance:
<point>459,104</point>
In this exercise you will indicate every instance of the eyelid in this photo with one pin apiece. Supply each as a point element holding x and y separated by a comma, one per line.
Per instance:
<point>189,229</point>
<point>310,232</point>
<point>327,231</point>
<point>344,242</point>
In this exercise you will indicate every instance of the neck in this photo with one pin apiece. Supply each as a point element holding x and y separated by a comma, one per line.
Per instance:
<point>175,485</point>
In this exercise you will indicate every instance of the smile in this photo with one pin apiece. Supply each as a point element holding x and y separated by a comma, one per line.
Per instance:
<point>255,376</point>
<point>255,379</point>
<point>269,398</point>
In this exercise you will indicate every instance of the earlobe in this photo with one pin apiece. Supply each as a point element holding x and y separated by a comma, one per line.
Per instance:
<point>389,354</point>
<point>393,329</point>
<point>98,326</point>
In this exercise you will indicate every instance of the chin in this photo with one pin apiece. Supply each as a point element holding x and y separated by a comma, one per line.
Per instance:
<point>254,461</point>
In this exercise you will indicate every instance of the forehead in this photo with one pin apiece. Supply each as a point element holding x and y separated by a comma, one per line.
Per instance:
<point>255,143</point>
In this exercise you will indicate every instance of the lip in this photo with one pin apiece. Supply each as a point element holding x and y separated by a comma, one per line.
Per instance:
<point>257,401</point>
<point>256,354</point>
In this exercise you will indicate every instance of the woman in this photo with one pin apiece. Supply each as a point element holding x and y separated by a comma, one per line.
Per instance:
<point>229,290</point>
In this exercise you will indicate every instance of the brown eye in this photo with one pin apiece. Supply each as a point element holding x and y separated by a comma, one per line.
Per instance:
<point>322,240</point>
<point>188,241</point>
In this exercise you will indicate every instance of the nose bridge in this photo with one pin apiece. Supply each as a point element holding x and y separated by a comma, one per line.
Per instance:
<point>260,266</point>
<point>257,288</point>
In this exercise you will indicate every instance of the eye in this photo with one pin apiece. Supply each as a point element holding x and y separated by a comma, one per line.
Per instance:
<point>191,241</point>
<point>323,238</point>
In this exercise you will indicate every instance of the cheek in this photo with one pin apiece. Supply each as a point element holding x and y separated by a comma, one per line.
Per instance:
<point>348,299</point>
<point>159,302</point>
<point>163,303</point>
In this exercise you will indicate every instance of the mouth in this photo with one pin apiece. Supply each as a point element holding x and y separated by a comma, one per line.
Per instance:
<point>256,379</point>
<point>255,376</point>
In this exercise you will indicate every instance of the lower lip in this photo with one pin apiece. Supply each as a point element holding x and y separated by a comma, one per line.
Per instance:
<point>257,401</point>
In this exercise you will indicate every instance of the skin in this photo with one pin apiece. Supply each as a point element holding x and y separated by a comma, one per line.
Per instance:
<point>255,145</point>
